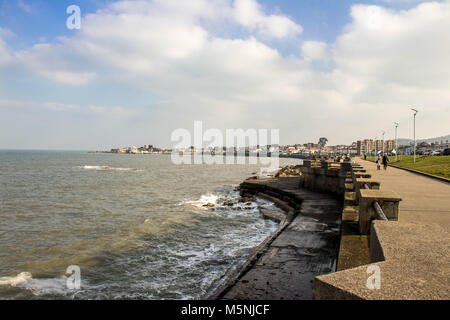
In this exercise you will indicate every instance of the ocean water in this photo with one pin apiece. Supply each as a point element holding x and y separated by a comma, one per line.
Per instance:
<point>135,225</point>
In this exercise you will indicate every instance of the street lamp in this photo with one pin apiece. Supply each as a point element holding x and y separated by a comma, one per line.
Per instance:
<point>396,150</point>
<point>375,142</point>
<point>382,140</point>
<point>415,113</point>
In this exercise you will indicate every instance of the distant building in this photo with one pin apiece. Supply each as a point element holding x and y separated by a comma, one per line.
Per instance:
<point>389,145</point>
<point>365,146</point>
<point>370,146</point>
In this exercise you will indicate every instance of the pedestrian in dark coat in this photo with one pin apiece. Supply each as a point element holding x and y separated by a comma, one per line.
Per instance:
<point>385,161</point>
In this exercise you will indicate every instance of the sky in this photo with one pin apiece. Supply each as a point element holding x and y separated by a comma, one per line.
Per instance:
<point>136,71</point>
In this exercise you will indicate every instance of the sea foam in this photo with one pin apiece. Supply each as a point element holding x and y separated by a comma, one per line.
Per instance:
<point>204,199</point>
<point>15,281</point>
<point>105,168</point>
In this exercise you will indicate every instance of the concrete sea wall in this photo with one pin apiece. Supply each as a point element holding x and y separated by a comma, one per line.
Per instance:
<point>331,243</point>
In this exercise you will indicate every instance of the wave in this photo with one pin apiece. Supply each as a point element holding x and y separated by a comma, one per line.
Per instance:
<point>15,281</point>
<point>38,286</point>
<point>204,200</point>
<point>227,200</point>
<point>265,172</point>
<point>105,168</point>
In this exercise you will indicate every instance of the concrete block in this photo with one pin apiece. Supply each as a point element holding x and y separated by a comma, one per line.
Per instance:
<point>346,166</point>
<point>375,185</point>
<point>388,201</point>
<point>307,163</point>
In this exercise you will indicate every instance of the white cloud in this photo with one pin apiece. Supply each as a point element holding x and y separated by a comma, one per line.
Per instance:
<point>56,107</point>
<point>5,51</point>
<point>315,51</point>
<point>71,78</point>
<point>250,15</point>
<point>405,48</point>
<point>381,63</point>
<point>405,1</point>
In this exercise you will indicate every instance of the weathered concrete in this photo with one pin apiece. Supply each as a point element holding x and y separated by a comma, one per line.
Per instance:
<point>412,253</point>
<point>388,201</point>
<point>360,182</point>
<point>413,261</point>
<point>307,247</point>
<point>353,251</point>
<point>325,178</point>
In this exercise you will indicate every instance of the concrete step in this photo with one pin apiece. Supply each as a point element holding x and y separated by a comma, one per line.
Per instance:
<point>349,187</point>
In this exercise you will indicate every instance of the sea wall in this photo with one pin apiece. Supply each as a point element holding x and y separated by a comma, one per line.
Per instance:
<point>384,259</point>
<point>404,253</point>
<point>326,175</point>
<point>305,245</point>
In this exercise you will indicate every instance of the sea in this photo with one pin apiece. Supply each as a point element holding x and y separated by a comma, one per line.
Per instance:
<point>134,226</point>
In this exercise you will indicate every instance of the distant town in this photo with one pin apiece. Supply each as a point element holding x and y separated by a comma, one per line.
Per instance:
<point>360,147</point>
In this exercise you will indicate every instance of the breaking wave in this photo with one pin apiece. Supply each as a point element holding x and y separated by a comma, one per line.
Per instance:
<point>15,281</point>
<point>105,168</point>
<point>38,287</point>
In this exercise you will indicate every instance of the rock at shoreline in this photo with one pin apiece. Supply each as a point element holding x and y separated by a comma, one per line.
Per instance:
<point>209,205</point>
<point>247,200</point>
<point>228,203</point>
<point>288,171</point>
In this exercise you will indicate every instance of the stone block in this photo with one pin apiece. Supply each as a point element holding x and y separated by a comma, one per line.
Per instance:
<point>375,185</point>
<point>388,201</point>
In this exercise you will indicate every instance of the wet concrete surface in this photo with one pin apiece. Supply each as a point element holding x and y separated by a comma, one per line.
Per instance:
<point>306,248</point>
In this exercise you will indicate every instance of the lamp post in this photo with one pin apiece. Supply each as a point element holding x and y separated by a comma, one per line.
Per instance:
<point>396,150</point>
<point>375,143</point>
<point>415,113</point>
<point>382,141</point>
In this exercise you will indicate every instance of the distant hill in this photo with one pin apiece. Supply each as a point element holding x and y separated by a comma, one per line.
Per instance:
<point>402,141</point>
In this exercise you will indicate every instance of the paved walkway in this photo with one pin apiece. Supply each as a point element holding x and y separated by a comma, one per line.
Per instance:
<point>423,199</point>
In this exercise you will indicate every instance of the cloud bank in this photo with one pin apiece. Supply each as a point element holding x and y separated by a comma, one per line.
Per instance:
<point>216,61</point>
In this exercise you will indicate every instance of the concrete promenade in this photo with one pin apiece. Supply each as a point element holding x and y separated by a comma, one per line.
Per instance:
<point>327,212</point>
<point>412,254</point>
<point>423,199</point>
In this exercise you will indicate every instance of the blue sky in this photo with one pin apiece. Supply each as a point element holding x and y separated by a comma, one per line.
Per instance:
<point>129,81</point>
<point>322,19</point>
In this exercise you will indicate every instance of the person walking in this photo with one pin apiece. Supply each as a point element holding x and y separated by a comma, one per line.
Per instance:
<point>378,162</point>
<point>385,161</point>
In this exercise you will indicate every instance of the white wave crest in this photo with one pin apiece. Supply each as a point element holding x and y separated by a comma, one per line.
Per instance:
<point>265,172</point>
<point>105,168</point>
<point>49,286</point>
<point>204,200</point>
<point>21,278</point>
<point>38,287</point>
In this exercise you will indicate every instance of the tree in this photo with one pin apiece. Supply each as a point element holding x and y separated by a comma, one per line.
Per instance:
<point>322,142</point>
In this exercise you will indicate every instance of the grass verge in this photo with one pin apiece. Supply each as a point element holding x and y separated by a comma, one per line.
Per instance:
<point>435,165</point>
